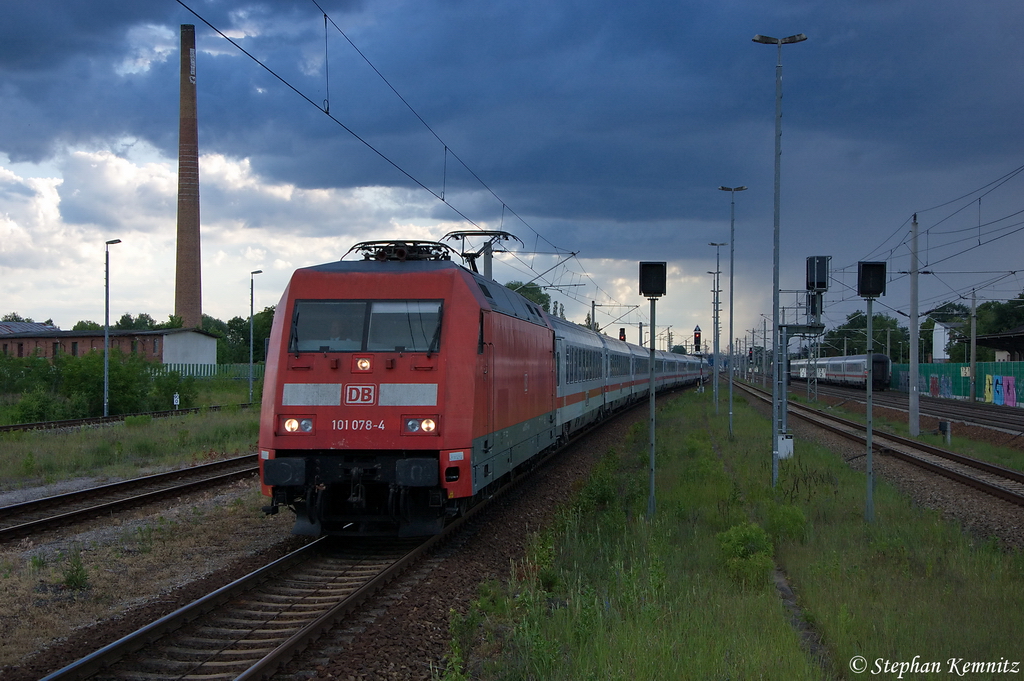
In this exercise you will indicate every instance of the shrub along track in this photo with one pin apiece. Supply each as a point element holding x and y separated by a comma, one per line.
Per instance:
<point>810,640</point>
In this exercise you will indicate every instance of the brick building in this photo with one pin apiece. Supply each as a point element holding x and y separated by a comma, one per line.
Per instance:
<point>168,346</point>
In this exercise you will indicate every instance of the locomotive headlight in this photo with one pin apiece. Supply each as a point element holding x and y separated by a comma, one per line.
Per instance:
<point>419,425</point>
<point>363,364</point>
<point>293,425</point>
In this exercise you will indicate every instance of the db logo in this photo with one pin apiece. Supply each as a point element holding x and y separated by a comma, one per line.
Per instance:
<point>360,394</point>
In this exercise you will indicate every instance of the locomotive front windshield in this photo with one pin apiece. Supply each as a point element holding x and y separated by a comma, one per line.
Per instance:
<point>366,326</point>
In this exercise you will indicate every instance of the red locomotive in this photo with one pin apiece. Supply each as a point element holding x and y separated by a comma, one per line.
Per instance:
<point>402,386</point>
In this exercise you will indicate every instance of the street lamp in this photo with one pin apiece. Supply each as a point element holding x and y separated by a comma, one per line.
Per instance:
<point>252,276</point>
<point>779,351</point>
<point>716,291</point>
<point>732,260</point>
<point>106,328</point>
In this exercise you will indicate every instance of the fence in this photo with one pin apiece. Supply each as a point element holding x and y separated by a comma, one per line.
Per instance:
<point>997,382</point>
<point>236,371</point>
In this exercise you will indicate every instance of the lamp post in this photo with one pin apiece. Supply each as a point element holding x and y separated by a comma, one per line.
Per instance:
<point>252,276</point>
<point>732,259</point>
<point>716,367</point>
<point>106,327</point>
<point>779,351</point>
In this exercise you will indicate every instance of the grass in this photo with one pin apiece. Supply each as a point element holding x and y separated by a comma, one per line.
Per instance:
<point>123,449</point>
<point>606,593</point>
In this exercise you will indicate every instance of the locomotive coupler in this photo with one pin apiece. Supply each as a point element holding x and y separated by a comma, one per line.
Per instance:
<point>357,493</point>
<point>278,498</point>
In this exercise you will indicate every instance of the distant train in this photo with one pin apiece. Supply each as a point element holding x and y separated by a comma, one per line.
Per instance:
<point>402,387</point>
<point>851,370</point>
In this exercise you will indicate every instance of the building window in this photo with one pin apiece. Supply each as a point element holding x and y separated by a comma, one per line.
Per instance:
<point>156,346</point>
<point>21,349</point>
<point>74,348</point>
<point>56,349</point>
<point>5,348</point>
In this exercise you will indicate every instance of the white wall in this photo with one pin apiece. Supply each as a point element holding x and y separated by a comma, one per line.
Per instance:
<point>189,347</point>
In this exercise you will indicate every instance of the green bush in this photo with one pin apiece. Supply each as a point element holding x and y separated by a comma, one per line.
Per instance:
<point>785,522</point>
<point>746,554</point>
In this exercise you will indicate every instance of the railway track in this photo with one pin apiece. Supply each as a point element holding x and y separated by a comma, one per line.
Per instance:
<point>99,420</point>
<point>36,516</point>
<point>251,627</point>
<point>1006,419</point>
<point>248,628</point>
<point>998,481</point>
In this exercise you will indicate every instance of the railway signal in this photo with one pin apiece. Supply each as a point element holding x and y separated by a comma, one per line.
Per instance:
<point>870,285</point>
<point>653,279</point>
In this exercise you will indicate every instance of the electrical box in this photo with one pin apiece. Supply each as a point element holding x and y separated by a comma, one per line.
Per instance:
<point>870,279</point>
<point>653,276</point>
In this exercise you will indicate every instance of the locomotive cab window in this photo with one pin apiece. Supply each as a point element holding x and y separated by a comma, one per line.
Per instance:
<point>404,326</point>
<point>361,326</point>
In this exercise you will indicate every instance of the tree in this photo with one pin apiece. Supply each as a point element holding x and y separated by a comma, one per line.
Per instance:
<point>143,322</point>
<point>852,335</point>
<point>173,322</point>
<point>532,292</point>
<point>87,325</point>
<point>15,317</point>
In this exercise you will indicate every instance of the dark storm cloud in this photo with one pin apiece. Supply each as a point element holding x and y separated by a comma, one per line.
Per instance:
<point>572,112</point>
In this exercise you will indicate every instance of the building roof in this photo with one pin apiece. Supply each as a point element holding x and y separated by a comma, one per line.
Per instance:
<point>54,332</point>
<point>1010,341</point>
<point>25,327</point>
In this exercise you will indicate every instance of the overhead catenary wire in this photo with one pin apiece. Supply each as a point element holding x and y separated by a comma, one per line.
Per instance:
<point>974,236</point>
<point>325,110</point>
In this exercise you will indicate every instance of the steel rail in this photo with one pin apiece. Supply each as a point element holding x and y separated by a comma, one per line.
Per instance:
<point>1003,418</point>
<point>903,448</point>
<point>99,420</point>
<point>96,661</point>
<point>169,483</point>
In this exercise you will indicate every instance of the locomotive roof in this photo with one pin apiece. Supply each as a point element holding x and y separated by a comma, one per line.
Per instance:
<point>497,296</point>
<point>376,266</point>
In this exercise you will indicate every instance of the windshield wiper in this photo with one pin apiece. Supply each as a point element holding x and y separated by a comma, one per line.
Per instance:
<point>436,340</point>
<point>295,334</point>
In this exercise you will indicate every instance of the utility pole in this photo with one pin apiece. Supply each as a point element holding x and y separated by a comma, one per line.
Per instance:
<point>974,345</point>
<point>914,411</point>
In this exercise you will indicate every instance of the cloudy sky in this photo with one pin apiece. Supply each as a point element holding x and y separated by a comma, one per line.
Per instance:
<point>599,128</point>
